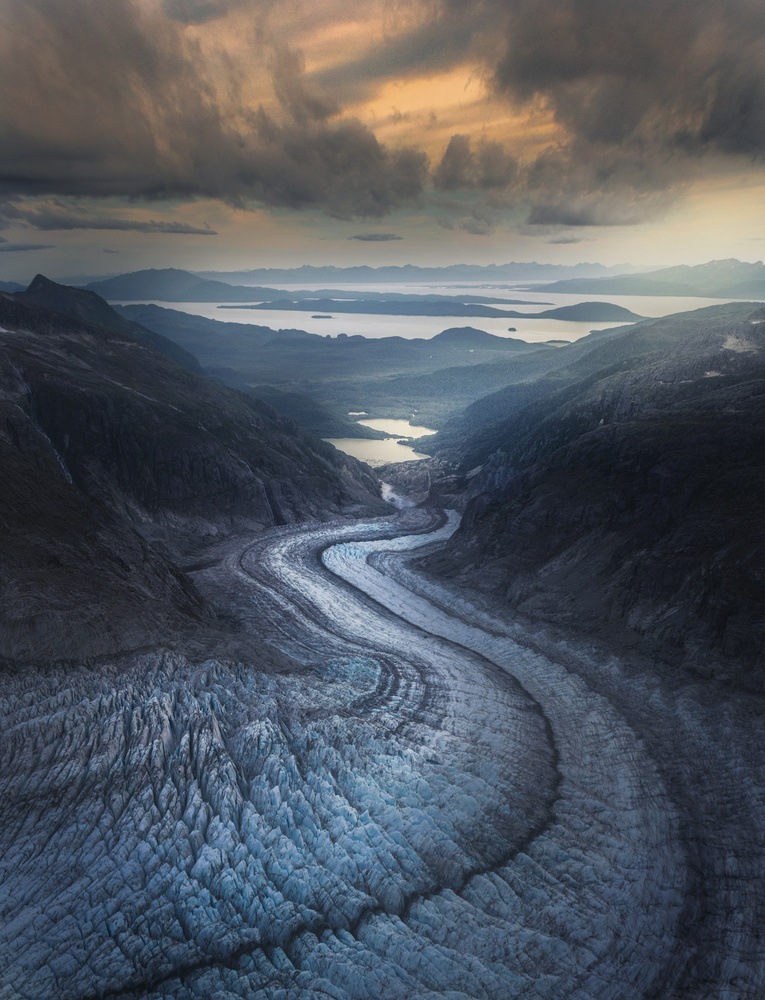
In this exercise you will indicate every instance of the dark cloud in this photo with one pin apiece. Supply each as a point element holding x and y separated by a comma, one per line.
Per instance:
<point>55,219</point>
<point>476,225</point>
<point>292,91</point>
<point>7,247</point>
<point>428,36</point>
<point>342,169</point>
<point>649,95</point>
<point>375,237</point>
<point>453,172</point>
<point>596,210</point>
<point>118,99</point>
<point>122,99</point>
<point>662,72</point>
<point>482,218</point>
<point>587,214</point>
<point>565,240</point>
<point>461,169</point>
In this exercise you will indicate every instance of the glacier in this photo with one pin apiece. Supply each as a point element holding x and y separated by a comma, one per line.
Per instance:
<point>429,801</point>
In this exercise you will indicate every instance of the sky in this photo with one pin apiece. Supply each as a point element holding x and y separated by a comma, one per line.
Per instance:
<point>226,134</point>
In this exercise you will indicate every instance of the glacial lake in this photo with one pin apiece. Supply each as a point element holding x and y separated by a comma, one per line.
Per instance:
<point>401,428</point>
<point>382,452</point>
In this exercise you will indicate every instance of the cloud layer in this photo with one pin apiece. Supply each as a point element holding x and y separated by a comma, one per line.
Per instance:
<point>182,99</point>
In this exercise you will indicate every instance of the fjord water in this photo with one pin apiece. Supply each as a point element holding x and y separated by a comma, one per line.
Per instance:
<point>411,327</point>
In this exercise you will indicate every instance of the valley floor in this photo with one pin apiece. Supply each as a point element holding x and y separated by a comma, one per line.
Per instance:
<point>433,802</point>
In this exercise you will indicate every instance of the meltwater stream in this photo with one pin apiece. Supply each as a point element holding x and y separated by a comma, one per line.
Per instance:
<point>426,806</point>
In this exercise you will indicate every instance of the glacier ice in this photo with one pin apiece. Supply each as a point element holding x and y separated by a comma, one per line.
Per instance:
<point>435,803</point>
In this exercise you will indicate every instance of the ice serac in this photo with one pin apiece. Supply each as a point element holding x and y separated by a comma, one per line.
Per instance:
<point>422,801</point>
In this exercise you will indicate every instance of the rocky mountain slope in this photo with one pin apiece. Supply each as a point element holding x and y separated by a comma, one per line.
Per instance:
<point>78,303</point>
<point>629,500</point>
<point>486,425</point>
<point>120,466</point>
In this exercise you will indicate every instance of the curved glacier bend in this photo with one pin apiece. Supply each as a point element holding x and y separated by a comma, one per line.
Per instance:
<point>429,808</point>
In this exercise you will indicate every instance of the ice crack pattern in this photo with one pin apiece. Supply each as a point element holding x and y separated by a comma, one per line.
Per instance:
<point>427,809</point>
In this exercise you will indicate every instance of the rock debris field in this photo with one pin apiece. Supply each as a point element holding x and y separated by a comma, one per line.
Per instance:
<point>435,803</point>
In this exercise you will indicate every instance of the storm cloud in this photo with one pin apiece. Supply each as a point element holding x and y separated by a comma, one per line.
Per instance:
<point>119,99</point>
<point>462,169</point>
<point>671,73</point>
<point>184,99</point>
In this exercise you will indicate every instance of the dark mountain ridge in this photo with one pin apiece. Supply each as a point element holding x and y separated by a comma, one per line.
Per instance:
<point>174,285</point>
<point>583,312</point>
<point>630,501</point>
<point>484,426</point>
<point>120,467</point>
<point>468,337</point>
<point>84,305</point>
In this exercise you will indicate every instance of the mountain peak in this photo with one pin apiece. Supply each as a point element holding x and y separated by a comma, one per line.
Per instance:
<point>40,281</point>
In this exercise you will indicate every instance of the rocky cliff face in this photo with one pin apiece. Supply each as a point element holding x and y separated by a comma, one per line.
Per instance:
<point>119,465</point>
<point>633,503</point>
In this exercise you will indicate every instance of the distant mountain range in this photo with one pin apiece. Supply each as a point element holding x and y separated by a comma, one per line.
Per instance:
<point>513,271</point>
<point>718,279</point>
<point>173,285</point>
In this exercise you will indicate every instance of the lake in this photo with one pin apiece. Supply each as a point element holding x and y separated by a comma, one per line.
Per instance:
<point>400,428</point>
<point>382,452</point>
<point>376,452</point>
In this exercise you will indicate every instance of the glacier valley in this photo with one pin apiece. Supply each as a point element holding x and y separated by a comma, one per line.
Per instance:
<point>429,801</point>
